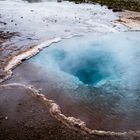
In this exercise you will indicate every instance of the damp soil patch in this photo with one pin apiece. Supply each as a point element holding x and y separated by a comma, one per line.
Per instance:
<point>25,117</point>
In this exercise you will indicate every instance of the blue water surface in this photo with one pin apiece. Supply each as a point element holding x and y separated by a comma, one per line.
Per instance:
<point>95,61</point>
<point>99,73</point>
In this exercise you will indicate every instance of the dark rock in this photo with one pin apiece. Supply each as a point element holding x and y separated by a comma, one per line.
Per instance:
<point>117,10</point>
<point>5,23</point>
<point>59,0</point>
<point>77,2</point>
<point>109,7</point>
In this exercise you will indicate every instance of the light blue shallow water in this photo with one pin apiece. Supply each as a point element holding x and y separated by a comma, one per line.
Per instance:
<point>86,60</point>
<point>103,73</point>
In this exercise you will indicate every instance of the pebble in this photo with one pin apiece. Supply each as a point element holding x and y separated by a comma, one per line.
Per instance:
<point>6,118</point>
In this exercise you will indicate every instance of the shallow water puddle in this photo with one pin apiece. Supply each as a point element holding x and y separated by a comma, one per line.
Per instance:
<point>96,79</point>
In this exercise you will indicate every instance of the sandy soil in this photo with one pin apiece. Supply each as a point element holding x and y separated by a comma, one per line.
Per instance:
<point>130,19</point>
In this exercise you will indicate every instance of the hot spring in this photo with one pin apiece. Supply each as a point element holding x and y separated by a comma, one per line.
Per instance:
<point>95,62</point>
<point>96,79</point>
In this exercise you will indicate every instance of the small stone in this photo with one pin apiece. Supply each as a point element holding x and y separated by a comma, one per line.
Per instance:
<point>67,30</point>
<point>109,7</point>
<point>117,10</point>
<point>6,118</point>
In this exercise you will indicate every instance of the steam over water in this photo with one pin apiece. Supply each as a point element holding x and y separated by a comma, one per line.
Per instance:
<point>96,79</point>
<point>113,59</point>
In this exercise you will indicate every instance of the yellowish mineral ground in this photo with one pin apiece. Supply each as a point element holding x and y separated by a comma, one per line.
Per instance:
<point>130,19</point>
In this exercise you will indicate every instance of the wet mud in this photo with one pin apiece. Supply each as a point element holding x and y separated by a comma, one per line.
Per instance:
<point>24,117</point>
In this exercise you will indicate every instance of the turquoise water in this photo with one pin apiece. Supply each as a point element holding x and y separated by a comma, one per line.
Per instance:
<point>97,77</point>
<point>95,62</point>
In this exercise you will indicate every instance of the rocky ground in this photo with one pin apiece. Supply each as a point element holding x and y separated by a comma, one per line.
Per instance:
<point>4,37</point>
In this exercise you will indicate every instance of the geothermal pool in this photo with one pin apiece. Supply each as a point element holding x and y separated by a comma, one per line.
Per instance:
<point>96,79</point>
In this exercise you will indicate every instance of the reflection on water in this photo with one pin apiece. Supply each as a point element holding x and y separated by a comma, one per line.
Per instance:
<point>96,80</point>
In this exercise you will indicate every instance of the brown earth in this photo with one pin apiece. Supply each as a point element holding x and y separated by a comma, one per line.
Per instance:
<point>23,117</point>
